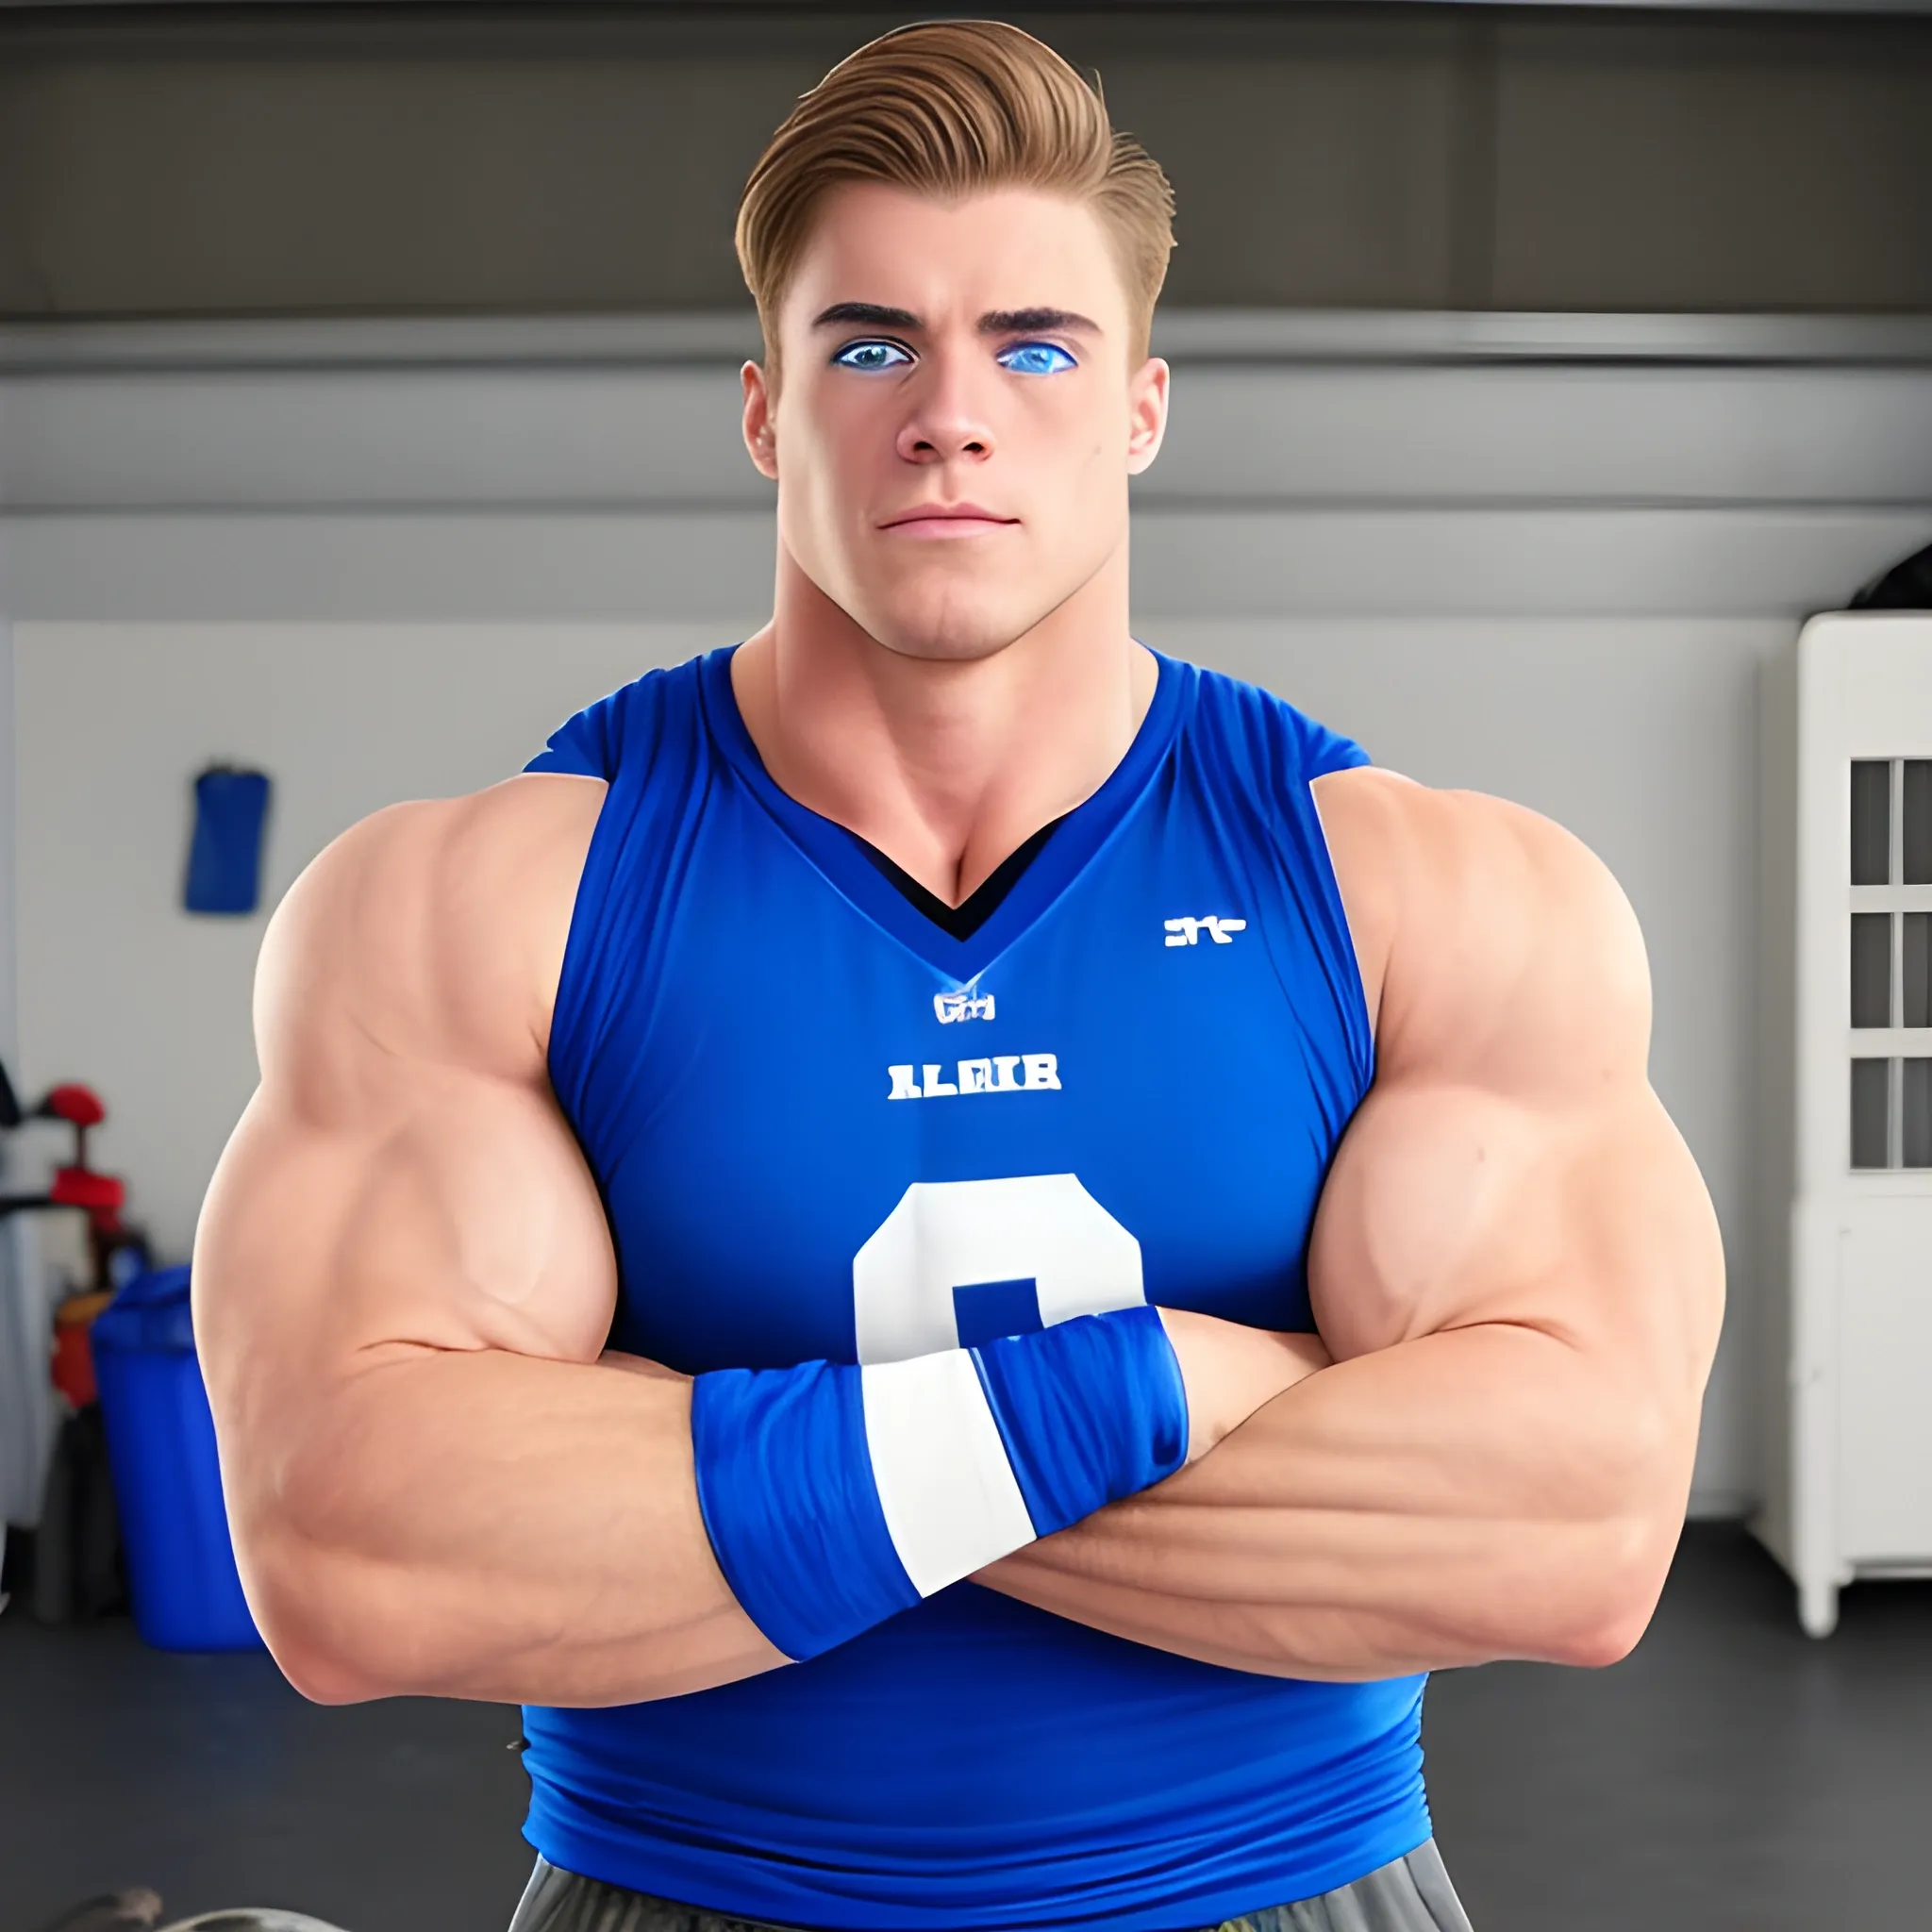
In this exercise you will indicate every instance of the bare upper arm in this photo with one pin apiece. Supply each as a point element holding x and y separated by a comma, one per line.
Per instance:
<point>1511,1162</point>
<point>403,1178</point>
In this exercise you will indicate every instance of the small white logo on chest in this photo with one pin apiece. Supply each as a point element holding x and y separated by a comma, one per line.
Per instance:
<point>1187,932</point>
<point>1004,1072</point>
<point>950,1007</point>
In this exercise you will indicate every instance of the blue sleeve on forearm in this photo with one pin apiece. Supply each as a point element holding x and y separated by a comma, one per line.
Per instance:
<point>835,1496</point>
<point>1071,1455</point>
<point>789,1501</point>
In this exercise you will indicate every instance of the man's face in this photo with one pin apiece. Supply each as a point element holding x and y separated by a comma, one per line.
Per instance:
<point>957,420</point>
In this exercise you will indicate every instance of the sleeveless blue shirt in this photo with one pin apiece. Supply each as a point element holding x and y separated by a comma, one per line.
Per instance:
<point>823,1128</point>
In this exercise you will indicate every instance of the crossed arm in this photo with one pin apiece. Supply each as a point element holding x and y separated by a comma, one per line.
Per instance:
<point>438,1484</point>
<point>1516,1270</point>
<point>438,1480</point>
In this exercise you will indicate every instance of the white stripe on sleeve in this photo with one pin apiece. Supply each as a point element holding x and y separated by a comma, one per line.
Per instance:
<point>948,1492</point>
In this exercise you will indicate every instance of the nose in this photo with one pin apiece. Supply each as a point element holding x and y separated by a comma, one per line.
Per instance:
<point>947,422</point>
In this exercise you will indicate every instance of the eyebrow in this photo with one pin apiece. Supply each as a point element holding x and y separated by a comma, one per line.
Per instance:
<point>867,315</point>
<point>1022,322</point>
<point>998,322</point>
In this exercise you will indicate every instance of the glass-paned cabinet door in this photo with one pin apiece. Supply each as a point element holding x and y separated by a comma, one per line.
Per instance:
<point>1891,940</point>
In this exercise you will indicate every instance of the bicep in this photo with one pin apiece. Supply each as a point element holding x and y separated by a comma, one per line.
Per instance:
<point>395,1185</point>
<point>1450,1207</point>
<point>1511,1163</point>
<point>462,1217</point>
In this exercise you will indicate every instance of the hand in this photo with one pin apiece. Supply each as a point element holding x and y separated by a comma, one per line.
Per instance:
<point>1231,1370</point>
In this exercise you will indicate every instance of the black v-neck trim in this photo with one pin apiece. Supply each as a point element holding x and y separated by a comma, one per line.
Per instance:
<point>965,919</point>
<point>849,869</point>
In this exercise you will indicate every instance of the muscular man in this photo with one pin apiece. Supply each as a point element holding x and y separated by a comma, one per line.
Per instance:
<point>742,1225</point>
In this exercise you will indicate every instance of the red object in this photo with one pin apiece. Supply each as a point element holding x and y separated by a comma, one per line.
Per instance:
<point>80,1187</point>
<point>74,1363</point>
<point>80,1105</point>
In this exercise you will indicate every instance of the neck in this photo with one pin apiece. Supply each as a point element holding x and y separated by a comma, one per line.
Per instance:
<point>945,766</point>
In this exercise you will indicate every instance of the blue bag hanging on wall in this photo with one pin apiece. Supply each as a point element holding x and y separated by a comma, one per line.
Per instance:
<point>224,859</point>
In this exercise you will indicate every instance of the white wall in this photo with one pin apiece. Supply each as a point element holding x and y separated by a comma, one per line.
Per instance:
<point>1638,735</point>
<point>119,986</point>
<point>26,1405</point>
<point>1543,557</point>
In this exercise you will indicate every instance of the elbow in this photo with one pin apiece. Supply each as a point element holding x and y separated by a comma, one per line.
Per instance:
<point>319,1674</point>
<point>1607,1640</point>
<point>345,1622</point>
<point>1615,1554</point>
<point>311,1653</point>
<point>318,1665</point>
<point>1614,1596</point>
<point>323,1643</point>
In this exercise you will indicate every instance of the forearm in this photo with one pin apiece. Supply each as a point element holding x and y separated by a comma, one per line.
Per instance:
<point>482,1524</point>
<point>1464,1496</point>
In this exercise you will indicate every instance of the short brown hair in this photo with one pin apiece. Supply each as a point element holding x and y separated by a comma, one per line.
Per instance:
<point>949,108</point>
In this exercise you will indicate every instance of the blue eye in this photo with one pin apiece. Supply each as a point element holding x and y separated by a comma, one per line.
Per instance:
<point>873,355</point>
<point>1036,358</point>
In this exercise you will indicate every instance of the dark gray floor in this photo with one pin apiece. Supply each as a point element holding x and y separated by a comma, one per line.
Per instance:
<point>1730,1776</point>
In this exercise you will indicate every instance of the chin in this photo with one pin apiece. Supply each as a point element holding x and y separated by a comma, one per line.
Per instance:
<point>949,644</point>
<point>951,630</point>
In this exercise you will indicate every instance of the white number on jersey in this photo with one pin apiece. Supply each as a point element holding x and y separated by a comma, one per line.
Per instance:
<point>1042,1227</point>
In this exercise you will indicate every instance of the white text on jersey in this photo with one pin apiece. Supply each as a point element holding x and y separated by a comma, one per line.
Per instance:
<point>951,1007</point>
<point>1187,932</point>
<point>1005,1073</point>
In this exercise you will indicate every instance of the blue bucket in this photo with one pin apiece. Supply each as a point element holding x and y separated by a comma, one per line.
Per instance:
<point>167,1482</point>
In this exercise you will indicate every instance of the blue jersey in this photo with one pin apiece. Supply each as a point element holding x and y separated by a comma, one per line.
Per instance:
<point>825,1128</point>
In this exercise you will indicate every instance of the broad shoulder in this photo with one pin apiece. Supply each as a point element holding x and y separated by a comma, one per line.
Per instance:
<point>432,931</point>
<point>1495,945</point>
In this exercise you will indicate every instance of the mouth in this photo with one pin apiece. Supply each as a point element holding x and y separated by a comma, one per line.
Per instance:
<point>947,520</point>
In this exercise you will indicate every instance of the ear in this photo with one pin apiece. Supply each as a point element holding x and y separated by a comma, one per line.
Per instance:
<point>761,431</point>
<point>1147,392</point>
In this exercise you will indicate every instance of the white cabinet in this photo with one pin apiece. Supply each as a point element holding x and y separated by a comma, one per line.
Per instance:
<point>1884,1405</point>
<point>1850,1488</point>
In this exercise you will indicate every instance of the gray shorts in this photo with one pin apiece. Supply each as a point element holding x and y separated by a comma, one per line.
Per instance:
<point>1411,1895</point>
